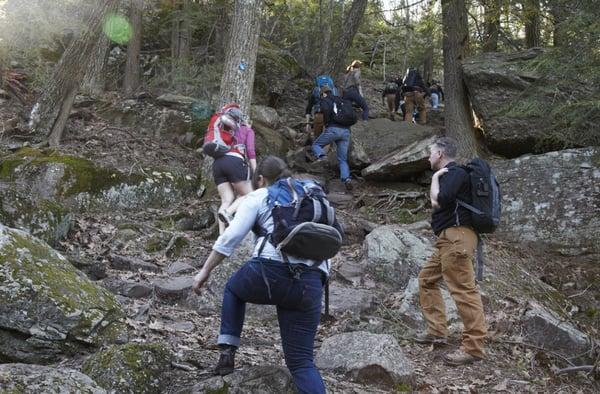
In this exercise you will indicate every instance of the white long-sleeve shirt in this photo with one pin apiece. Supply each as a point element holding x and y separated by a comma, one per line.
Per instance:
<point>255,209</point>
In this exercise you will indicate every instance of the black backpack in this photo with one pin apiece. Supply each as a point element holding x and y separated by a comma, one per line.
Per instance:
<point>342,112</point>
<point>486,201</point>
<point>304,222</point>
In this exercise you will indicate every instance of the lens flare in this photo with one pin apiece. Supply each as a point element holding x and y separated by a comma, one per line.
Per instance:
<point>118,29</point>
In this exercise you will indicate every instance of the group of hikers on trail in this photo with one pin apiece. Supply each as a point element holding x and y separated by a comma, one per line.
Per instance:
<point>296,233</point>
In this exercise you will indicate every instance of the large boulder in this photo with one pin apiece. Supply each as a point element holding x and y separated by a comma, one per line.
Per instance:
<point>27,378</point>
<point>395,254</point>
<point>380,137</point>
<point>38,177</point>
<point>269,141</point>
<point>552,200</point>
<point>265,115</point>
<point>374,359</point>
<point>403,164</point>
<point>48,307</point>
<point>546,329</point>
<point>517,105</point>
<point>131,368</point>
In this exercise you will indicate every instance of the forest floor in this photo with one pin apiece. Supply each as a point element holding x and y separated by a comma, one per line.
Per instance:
<point>511,366</point>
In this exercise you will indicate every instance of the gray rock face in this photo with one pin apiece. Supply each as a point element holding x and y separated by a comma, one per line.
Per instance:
<point>179,267</point>
<point>127,288</point>
<point>395,254</point>
<point>130,264</point>
<point>347,299</point>
<point>259,380</point>
<point>48,307</point>
<point>130,368</point>
<point>410,309</point>
<point>367,358</point>
<point>266,115</point>
<point>547,330</point>
<point>170,99</point>
<point>174,289</point>
<point>552,199</point>
<point>402,164</point>
<point>514,104</point>
<point>18,378</point>
<point>270,141</point>
<point>380,137</point>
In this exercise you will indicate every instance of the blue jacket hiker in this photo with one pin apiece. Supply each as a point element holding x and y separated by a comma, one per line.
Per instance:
<point>294,285</point>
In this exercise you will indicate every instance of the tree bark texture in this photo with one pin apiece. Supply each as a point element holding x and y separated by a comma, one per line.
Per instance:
<point>492,10</point>
<point>458,119</point>
<point>50,113</point>
<point>340,46</point>
<point>131,80</point>
<point>95,78</point>
<point>326,30</point>
<point>531,17</point>
<point>560,12</point>
<point>181,34</point>
<point>240,59</point>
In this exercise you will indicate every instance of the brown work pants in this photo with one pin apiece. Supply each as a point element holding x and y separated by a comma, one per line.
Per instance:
<point>318,124</point>
<point>390,100</point>
<point>453,262</point>
<point>412,99</point>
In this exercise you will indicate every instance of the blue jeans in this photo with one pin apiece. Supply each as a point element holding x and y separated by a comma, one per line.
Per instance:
<point>341,137</point>
<point>353,95</point>
<point>298,302</point>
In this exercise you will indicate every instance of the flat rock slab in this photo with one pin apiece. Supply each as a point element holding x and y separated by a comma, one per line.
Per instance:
<point>128,289</point>
<point>123,263</point>
<point>179,267</point>
<point>367,358</point>
<point>20,378</point>
<point>347,299</point>
<point>260,379</point>
<point>174,289</point>
<point>547,330</point>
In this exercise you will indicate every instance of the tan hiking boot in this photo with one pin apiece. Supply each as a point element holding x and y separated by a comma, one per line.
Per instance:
<point>460,357</point>
<point>425,338</point>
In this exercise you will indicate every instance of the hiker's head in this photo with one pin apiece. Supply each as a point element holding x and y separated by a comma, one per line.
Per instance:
<point>229,122</point>
<point>268,170</point>
<point>233,110</point>
<point>325,90</point>
<point>442,151</point>
<point>356,64</point>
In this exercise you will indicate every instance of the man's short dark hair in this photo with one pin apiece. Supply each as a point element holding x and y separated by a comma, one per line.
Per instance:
<point>448,145</point>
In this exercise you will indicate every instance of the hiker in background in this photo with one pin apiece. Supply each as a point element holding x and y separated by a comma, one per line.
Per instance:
<point>294,285</point>
<point>314,105</point>
<point>232,170</point>
<point>414,92</point>
<point>352,88</point>
<point>335,133</point>
<point>437,94</point>
<point>388,96</point>
<point>452,260</point>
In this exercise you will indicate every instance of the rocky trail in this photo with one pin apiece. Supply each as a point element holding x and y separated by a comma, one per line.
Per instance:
<point>145,255</point>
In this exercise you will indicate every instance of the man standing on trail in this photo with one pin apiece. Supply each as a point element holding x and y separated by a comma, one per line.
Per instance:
<point>352,88</point>
<point>452,260</point>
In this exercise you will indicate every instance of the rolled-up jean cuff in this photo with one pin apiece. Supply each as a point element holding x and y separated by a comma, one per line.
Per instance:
<point>225,339</point>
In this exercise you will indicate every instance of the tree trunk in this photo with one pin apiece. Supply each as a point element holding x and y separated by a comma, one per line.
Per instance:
<point>560,12</point>
<point>181,31</point>
<point>95,77</point>
<point>49,114</point>
<point>240,59</point>
<point>429,50</point>
<point>337,58</point>
<point>131,81</point>
<point>531,16</point>
<point>458,120</point>
<point>326,29</point>
<point>492,9</point>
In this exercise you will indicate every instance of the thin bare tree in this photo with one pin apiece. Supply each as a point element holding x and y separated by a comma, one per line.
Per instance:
<point>131,80</point>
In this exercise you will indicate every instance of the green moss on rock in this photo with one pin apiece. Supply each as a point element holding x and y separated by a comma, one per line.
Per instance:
<point>130,368</point>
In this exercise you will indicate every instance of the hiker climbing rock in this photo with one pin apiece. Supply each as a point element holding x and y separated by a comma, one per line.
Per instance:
<point>231,142</point>
<point>437,94</point>
<point>388,98</point>
<point>452,260</point>
<point>414,92</point>
<point>352,88</point>
<point>292,282</point>
<point>338,116</point>
<point>314,104</point>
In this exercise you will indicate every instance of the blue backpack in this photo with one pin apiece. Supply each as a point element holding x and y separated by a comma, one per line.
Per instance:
<point>321,81</point>
<point>304,222</point>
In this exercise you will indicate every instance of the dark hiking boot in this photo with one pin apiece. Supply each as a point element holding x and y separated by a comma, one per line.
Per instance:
<point>460,357</point>
<point>425,338</point>
<point>349,184</point>
<point>226,361</point>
